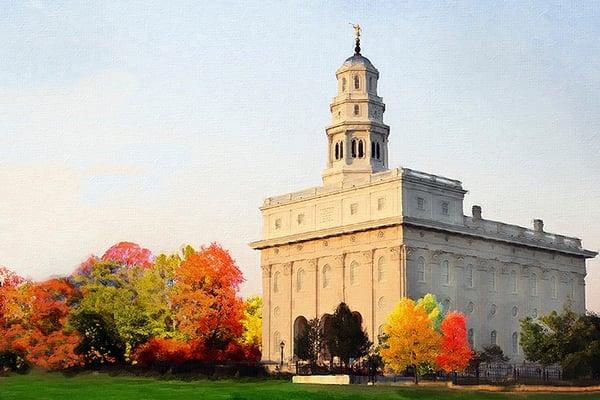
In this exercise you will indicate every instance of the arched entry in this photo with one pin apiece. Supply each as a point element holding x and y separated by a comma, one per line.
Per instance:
<point>300,325</point>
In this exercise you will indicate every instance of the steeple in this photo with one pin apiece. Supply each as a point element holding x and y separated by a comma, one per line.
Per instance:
<point>357,137</point>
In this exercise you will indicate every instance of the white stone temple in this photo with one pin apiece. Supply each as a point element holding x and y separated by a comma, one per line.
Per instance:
<point>371,235</point>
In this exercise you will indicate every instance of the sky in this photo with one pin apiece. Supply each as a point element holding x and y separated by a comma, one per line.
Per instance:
<point>168,123</point>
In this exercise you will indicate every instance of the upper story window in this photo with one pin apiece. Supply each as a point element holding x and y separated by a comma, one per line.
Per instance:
<point>469,276</point>
<point>326,275</point>
<point>337,151</point>
<point>356,82</point>
<point>353,149</point>
<point>534,313</point>
<point>444,208</point>
<point>380,203</point>
<point>353,208</point>
<point>493,309</point>
<point>343,84</point>
<point>513,282</point>
<point>420,203</point>
<point>381,269</point>
<point>571,289</point>
<point>554,287</point>
<point>378,154</point>
<point>492,280</point>
<point>470,307</point>
<point>445,273</point>
<point>278,223</point>
<point>515,311</point>
<point>372,149</point>
<point>533,284</point>
<point>354,273</point>
<point>300,280</point>
<point>356,109</point>
<point>493,338</point>
<point>276,282</point>
<point>300,219</point>
<point>370,88</point>
<point>421,269</point>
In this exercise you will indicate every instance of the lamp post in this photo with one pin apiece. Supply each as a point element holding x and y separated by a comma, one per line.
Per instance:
<point>281,346</point>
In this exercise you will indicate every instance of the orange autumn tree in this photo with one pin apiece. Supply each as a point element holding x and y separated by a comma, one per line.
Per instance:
<point>410,339</point>
<point>34,324</point>
<point>205,302</point>
<point>455,352</point>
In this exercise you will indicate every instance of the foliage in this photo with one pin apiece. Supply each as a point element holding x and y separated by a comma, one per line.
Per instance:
<point>33,324</point>
<point>568,338</point>
<point>345,337</point>
<point>434,309</point>
<point>455,352</point>
<point>252,321</point>
<point>309,343</point>
<point>410,337</point>
<point>204,297</point>
<point>129,306</point>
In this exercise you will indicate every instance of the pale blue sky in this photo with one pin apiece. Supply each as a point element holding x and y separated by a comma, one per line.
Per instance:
<point>167,123</point>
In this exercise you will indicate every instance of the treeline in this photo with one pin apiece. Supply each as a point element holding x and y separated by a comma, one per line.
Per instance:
<point>129,307</point>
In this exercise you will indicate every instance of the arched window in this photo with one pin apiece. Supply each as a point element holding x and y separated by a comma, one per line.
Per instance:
<point>343,84</point>
<point>337,151</point>
<point>571,289</point>
<point>326,275</point>
<point>276,312</point>
<point>276,342</point>
<point>353,148</point>
<point>493,338</point>
<point>356,109</point>
<point>493,309</point>
<point>381,303</point>
<point>421,269</point>
<point>299,280</point>
<point>554,287</point>
<point>370,88</point>
<point>372,149</point>
<point>276,282</point>
<point>341,149</point>
<point>492,279</point>
<point>533,284</point>
<point>356,82</point>
<point>469,276</point>
<point>513,281</point>
<point>470,336</point>
<point>378,154</point>
<point>445,273</point>
<point>381,269</point>
<point>470,307</point>
<point>446,305</point>
<point>534,313</point>
<point>515,342</point>
<point>515,311</point>
<point>361,149</point>
<point>354,273</point>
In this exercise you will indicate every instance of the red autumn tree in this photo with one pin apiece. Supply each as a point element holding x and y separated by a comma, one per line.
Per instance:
<point>205,304</point>
<point>455,352</point>
<point>129,254</point>
<point>34,324</point>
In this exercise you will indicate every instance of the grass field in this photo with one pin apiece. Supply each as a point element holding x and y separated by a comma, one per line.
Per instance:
<point>40,386</point>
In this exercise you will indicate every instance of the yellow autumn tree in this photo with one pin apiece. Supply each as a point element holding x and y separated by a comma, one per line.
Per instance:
<point>252,320</point>
<point>411,339</point>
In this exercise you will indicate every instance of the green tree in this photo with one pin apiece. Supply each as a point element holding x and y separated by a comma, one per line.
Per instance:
<point>434,309</point>
<point>308,344</point>
<point>567,338</point>
<point>346,338</point>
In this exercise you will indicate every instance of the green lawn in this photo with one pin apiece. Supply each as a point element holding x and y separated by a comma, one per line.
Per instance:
<point>38,386</point>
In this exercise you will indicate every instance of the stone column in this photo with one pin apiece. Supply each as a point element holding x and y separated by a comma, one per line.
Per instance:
<point>288,269</point>
<point>267,347</point>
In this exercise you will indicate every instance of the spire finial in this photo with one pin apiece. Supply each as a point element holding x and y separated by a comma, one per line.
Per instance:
<point>357,30</point>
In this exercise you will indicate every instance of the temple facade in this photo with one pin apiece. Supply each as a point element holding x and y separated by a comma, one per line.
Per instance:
<point>371,235</point>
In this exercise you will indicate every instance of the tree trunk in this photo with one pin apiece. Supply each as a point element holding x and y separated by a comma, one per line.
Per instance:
<point>416,374</point>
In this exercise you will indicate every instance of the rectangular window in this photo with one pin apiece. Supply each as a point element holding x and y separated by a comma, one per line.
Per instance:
<point>278,223</point>
<point>380,203</point>
<point>420,203</point>
<point>353,208</point>
<point>300,219</point>
<point>445,208</point>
